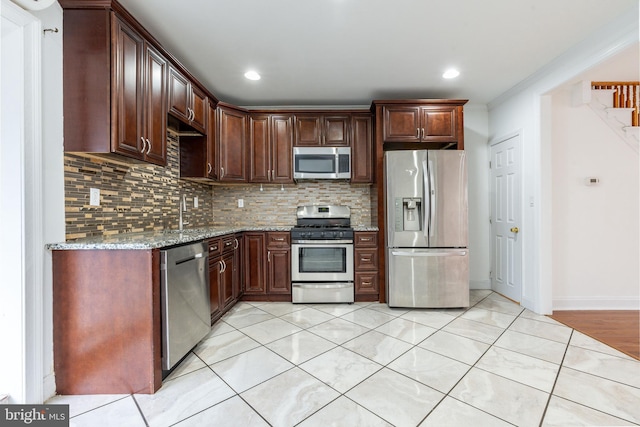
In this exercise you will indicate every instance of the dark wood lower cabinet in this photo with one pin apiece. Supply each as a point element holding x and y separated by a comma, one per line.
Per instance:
<point>224,274</point>
<point>267,266</point>
<point>366,265</point>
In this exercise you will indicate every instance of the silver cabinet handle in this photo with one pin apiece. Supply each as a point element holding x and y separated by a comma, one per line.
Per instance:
<point>143,144</point>
<point>221,172</point>
<point>422,133</point>
<point>236,245</point>
<point>149,148</point>
<point>223,266</point>
<point>209,167</point>
<point>268,256</point>
<point>418,133</point>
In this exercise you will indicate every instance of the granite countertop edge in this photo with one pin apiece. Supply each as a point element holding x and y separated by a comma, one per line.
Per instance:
<point>163,239</point>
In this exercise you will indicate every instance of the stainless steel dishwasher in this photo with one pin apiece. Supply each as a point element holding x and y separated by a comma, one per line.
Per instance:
<point>184,295</point>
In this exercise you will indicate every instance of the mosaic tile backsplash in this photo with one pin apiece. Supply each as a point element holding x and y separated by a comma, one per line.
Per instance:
<point>138,197</point>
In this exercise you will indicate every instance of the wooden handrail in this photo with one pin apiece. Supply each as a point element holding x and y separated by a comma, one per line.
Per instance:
<point>626,95</point>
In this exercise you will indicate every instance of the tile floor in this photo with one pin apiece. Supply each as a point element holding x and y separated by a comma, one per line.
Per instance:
<point>365,364</point>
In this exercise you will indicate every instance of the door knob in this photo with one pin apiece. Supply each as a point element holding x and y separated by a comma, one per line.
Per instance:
<point>514,229</point>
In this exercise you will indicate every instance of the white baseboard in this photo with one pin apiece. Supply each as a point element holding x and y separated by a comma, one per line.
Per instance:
<point>49,389</point>
<point>479,284</point>
<point>596,303</point>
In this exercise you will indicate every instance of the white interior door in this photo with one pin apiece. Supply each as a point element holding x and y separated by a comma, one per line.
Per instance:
<point>506,218</point>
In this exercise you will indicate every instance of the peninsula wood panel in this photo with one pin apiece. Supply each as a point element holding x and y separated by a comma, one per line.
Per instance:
<point>106,321</point>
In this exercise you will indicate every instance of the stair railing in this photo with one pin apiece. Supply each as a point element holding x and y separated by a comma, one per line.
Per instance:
<point>626,95</point>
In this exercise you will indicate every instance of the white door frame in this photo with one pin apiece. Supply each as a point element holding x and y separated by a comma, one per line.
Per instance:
<point>21,213</point>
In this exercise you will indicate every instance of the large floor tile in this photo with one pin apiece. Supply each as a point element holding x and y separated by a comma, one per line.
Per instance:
<point>506,399</point>
<point>528,314</point>
<point>431,369</point>
<point>603,365</point>
<point>428,317</point>
<point>344,412</point>
<point>248,369</point>
<point>340,368</point>
<point>474,330</point>
<point>289,398</point>
<point>79,404</point>
<point>477,295</point>
<point>183,397</point>
<point>489,317</point>
<point>607,396</point>
<point>249,316</point>
<point>453,413</point>
<point>281,308</point>
<point>307,317</point>
<point>384,308</point>
<point>270,330</point>
<point>581,340</point>
<point>518,367</point>
<point>378,347</point>
<point>232,412</point>
<point>542,348</point>
<point>337,309</point>
<point>301,346</point>
<point>406,330</point>
<point>502,306</point>
<point>564,413</point>
<point>188,364</point>
<point>455,346</point>
<point>219,328</point>
<point>123,412</point>
<point>220,347</point>
<point>395,398</point>
<point>368,318</point>
<point>338,330</point>
<point>542,329</point>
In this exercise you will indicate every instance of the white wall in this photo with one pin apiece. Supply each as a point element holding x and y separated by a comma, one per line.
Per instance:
<point>476,131</point>
<point>595,228</point>
<point>527,109</point>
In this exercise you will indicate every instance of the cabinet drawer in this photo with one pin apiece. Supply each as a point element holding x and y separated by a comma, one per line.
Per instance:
<point>215,247</point>
<point>366,239</point>
<point>229,243</point>
<point>278,239</point>
<point>366,259</point>
<point>366,283</point>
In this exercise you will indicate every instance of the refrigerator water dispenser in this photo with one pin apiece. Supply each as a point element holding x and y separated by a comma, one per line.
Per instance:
<point>408,214</point>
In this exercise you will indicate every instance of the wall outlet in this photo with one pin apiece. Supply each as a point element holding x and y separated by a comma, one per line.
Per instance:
<point>94,197</point>
<point>195,201</point>
<point>241,203</point>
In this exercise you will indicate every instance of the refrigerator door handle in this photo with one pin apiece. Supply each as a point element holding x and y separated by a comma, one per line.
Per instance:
<point>432,199</point>
<point>426,192</point>
<point>428,254</point>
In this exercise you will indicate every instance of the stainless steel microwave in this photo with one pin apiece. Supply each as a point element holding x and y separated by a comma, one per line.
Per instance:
<point>321,162</point>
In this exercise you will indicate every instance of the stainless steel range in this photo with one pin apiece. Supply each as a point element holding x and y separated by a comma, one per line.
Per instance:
<point>322,255</point>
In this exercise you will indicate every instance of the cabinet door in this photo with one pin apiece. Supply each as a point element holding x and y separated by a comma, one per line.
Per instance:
<point>361,149</point>
<point>438,124</point>
<point>282,148</point>
<point>155,106</point>
<point>279,271</point>
<point>231,142</point>
<point>259,148</point>
<point>199,109</point>
<point>336,131</point>
<point>254,264</point>
<point>401,124</point>
<point>227,274</point>
<point>128,92</point>
<point>214,288</point>
<point>211,142</point>
<point>178,94</point>
<point>308,130</point>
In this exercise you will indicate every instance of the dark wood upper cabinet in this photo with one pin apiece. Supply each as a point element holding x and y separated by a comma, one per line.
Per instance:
<point>322,129</point>
<point>432,123</point>
<point>198,152</point>
<point>270,148</point>
<point>114,88</point>
<point>362,149</point>
<point>232,137</point>
<point>186,101</point>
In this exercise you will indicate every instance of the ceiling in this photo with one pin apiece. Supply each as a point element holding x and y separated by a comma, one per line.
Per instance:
<point>350,52</point>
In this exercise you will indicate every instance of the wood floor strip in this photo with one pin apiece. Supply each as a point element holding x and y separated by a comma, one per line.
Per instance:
<point>619,329</point>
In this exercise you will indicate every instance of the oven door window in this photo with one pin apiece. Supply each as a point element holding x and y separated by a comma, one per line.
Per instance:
<point>322,260</point>
<point>316,163</point>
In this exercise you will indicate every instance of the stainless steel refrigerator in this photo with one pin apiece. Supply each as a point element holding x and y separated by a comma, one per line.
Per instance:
<point>426,228</point>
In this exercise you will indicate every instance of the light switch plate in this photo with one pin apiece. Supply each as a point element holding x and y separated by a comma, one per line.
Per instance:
<point>241,203</point>
<point>94,197</point>
<point>195,201</point>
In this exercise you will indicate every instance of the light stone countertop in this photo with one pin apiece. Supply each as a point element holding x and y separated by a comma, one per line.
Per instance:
<point>163,239</point>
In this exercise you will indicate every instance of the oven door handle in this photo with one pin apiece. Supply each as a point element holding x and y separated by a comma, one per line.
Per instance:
<point>323,285</point>
<point>322,242</point>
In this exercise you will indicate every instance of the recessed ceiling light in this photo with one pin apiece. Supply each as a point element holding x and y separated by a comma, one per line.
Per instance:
<point>451,73</point>
<point>252,75</point>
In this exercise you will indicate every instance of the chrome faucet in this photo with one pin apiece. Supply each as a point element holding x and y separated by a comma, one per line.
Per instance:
<point>183,208</point>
